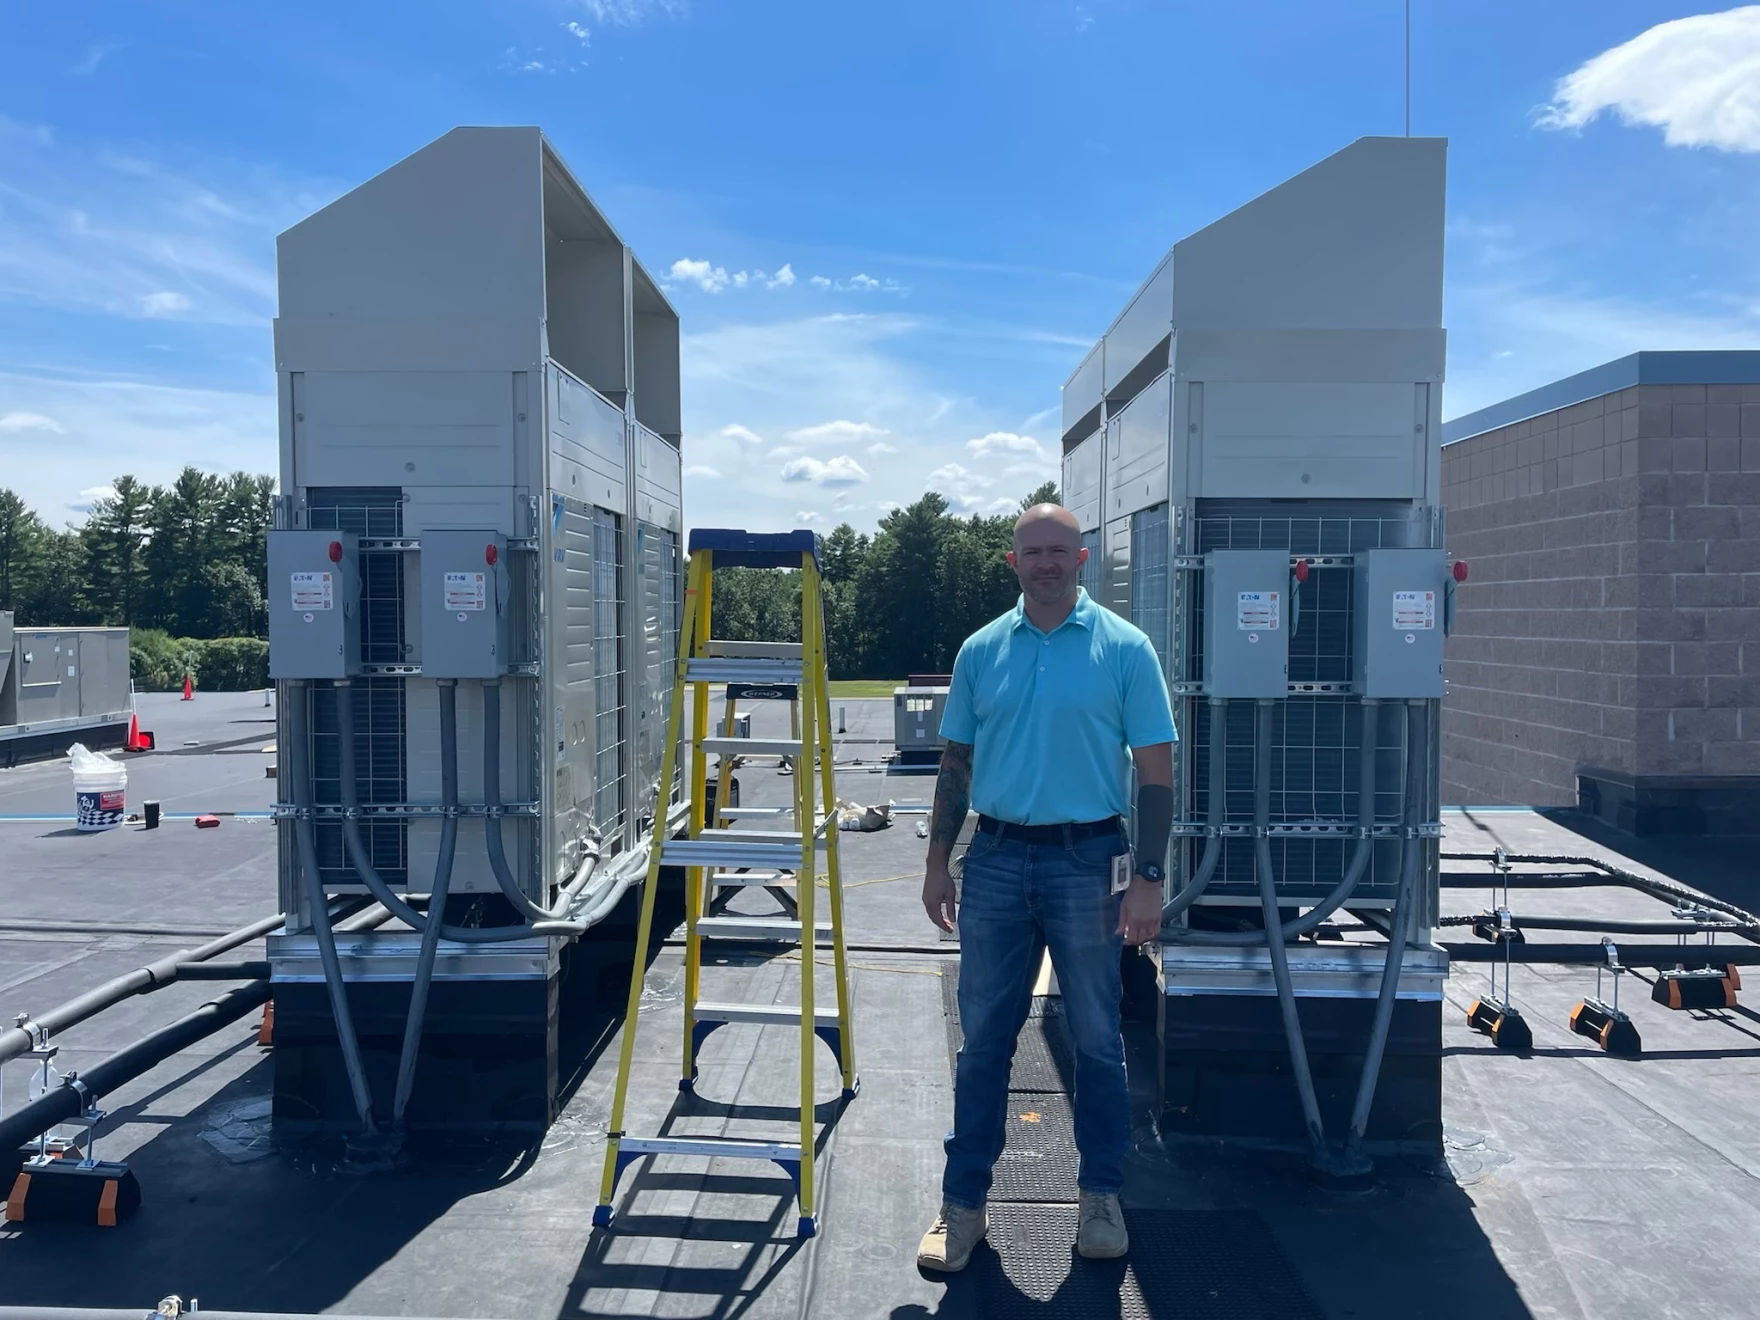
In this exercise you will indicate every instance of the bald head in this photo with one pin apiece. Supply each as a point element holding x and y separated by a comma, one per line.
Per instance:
<point>1041,519</point>
<point>1048,554</point>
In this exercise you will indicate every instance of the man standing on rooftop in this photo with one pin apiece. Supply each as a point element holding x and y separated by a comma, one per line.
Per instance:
<point>1049,706</point>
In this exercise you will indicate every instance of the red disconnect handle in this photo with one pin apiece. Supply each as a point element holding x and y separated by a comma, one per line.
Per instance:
<point>336,552</point>
<point>490,554</point>
<point>1460,570</point>
<point>1301,570</point>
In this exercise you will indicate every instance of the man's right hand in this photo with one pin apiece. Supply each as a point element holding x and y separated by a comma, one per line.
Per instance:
<point>938,894</point>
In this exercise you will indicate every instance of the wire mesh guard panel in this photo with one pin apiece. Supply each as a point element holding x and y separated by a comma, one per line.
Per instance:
<point>1149,591</point>
<point>608,663</point>
<point>1089,575</point>
<point>1315,760</point>
<point>381,771</point>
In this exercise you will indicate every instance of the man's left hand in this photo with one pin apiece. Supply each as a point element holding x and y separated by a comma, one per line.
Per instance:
<point>1139,915</point>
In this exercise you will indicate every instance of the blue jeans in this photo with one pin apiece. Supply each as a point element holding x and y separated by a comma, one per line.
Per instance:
<point>1017,899</point>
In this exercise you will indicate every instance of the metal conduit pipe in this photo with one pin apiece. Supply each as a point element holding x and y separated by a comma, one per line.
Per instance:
<point>492,838</point>
<point>424,977</point>
<point>305,835</point>
<point>1296,927</point>
<point>1411,852</point>
<point>1217,806</point>
<point>1286,996</point>
<point>375,883</point>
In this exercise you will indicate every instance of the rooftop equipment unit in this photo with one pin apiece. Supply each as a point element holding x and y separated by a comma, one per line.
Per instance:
<point>1251,451</point>
<point>474,595</point>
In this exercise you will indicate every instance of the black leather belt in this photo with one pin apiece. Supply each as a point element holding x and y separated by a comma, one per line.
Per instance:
<point>1074,832</point>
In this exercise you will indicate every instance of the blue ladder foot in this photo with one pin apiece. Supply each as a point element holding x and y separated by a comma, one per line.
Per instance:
<point>687,1085</point>
<point>851,1091</point>
<point>603,1215</point>
<point>808,1227</point>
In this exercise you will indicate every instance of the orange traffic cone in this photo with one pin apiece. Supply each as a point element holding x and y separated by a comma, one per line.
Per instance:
<point>134,742</point>
<point>189,688</point>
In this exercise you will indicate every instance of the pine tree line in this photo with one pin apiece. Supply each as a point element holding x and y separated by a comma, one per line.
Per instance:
<point>189,558</point>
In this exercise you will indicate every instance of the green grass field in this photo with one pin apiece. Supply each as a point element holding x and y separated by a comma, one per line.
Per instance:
<point>864,687</point>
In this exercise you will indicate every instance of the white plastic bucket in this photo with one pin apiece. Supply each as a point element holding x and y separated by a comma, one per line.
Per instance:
<point>99,787</point>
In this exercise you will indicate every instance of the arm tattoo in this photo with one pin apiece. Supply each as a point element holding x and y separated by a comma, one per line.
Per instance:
<point>953,794</point>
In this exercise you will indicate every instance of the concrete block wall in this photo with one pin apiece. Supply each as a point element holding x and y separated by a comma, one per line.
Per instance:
<point>1611,620</point>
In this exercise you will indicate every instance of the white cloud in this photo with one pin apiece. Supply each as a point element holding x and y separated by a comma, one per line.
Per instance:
<point>807,516</point>
<point>952,474</point>
<point>838,430</point>
<point>627,13</point>
<point>116,426</point>
<point>710,279</point>
<point>30,421</point>
<point>163,303</point>
<point>701,470</point>
<point>863,282</point>
<point>87,228</point>
<point>881,447</point>
<point>839,471</point>
<point>1698,79</point>
<point>783,451</point>
<point>784,276</point>
<point>94,57</point>
<point>741,278</point>
<point>90,496</point>
<point>1004,442</point>
<point>1043,415</point>
<point>745,435</point>
<point>578,32</point>
<point>820,282</point>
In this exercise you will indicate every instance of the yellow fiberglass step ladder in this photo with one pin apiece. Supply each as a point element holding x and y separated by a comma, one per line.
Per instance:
<point>714,856</point>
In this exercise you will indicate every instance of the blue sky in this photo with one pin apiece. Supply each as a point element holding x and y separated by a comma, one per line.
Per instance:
<point>963,193</point>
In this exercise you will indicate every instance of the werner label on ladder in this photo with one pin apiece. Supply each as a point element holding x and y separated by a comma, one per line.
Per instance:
<point>724,853</point>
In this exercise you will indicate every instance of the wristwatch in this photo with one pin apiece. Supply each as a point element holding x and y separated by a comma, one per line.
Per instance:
<point>1152,872</point>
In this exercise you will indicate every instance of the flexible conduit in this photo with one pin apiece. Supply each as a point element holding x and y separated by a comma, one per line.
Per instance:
<point>1360,855</point>
<point>305,836</point>
<point>424,977</point>
<point>375,883</point>
<point>1417,753</point>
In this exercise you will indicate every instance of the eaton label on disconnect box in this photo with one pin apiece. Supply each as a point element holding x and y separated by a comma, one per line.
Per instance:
<point>1258,611</point>
<point>312,591</point>
<point>1413,610</point>
<point>465,591</point>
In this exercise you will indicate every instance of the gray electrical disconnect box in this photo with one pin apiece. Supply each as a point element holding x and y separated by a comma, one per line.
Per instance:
<point>314,614</point>
<point>464,604</point>
<point>1397,615</point>
<point>1246,623</point>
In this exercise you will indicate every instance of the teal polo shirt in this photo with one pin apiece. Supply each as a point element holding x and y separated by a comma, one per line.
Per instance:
<point>1052,718</point>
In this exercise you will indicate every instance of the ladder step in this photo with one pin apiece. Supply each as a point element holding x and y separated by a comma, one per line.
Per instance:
<point>754,813</point>
<point>791,837</point>
<point>718,670</point>
<point>755,650</point>
<point>761,878</point>
<point>714,1148</point>
<point>781,1015</point>
<point>752,746</point>
<point>719,853</point>
<point>781,929</point>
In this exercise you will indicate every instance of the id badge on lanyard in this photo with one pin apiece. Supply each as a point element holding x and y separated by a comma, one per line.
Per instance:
<point>1121,873</point>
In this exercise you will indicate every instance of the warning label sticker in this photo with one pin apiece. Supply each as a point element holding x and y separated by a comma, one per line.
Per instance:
<point>311,591</point>
<point>465,591</point>
<point>1414,610</point>
<point>1258,611</point>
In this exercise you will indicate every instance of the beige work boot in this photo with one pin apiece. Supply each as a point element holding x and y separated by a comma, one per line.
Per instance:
<point>948,1244</point>
<point>1102,1234</point>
